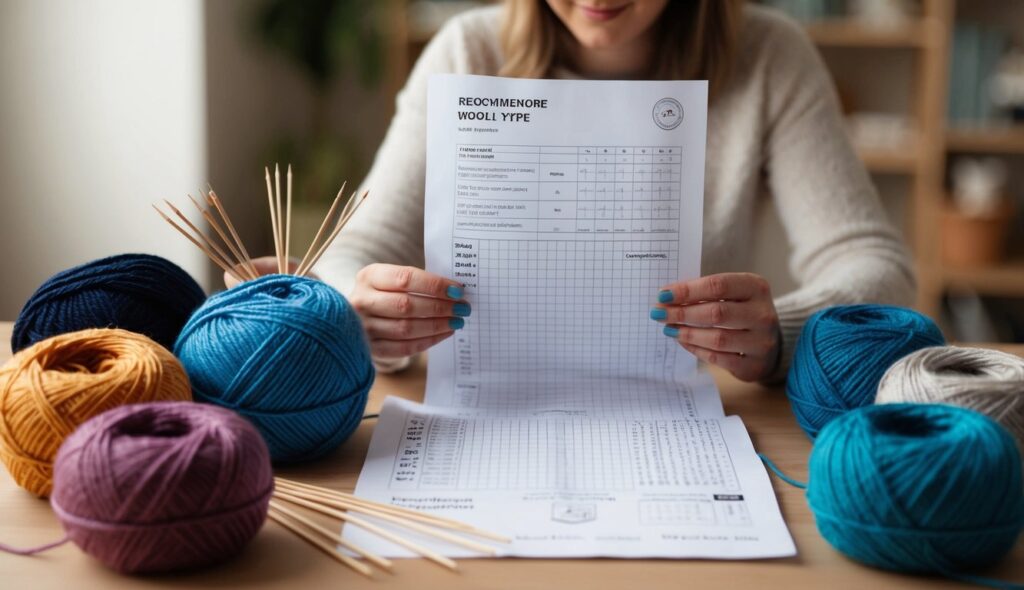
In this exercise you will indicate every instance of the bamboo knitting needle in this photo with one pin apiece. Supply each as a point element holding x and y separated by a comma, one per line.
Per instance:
<point>334,536</point>
<point>273,218</point>
<point>334,234</point>
<point>323,226</point>
<point>401,521</point>
<point>243,268</point>
<point>367,506</point>
<point>363,524</point>
<point>327,548</point>
<point>240,265</point>
<point>205,250</point>
<point>344,497</point>
<point>288,219</point>
<point>315,249</point>
<point>214,201</point>
<point>198,232</point>
<point>281,268</point>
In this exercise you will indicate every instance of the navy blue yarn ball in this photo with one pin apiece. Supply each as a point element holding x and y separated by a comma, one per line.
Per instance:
<point>918,488</point>
<point>136,292</point>
<point>289,354</point>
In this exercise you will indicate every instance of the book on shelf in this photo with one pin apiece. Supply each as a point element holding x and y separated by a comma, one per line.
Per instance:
<point>976,52</point>
<point>809,10</point>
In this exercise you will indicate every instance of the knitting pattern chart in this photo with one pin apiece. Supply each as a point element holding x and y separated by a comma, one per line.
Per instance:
<point>560,414</point>
<point>564,246</point>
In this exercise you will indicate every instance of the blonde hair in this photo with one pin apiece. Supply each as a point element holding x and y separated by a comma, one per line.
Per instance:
<point>696,40</point>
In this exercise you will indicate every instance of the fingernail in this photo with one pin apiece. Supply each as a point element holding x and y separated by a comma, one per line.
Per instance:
<point>671,332</point>
<point>453,292</point>
<point>456,323</point>
<point>665,296</point>
<point>461,309</point>
<point>658,313</point>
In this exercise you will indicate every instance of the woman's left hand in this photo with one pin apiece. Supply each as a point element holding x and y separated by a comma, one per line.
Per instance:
<point>726,319</point>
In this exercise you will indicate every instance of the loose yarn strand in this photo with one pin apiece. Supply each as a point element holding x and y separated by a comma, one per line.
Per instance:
<point>778,472</point>
<point>33,550</point>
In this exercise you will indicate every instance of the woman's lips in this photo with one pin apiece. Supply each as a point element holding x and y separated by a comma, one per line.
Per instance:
<point>602,14</point>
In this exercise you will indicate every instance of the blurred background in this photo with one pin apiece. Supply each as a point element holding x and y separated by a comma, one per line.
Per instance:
<point>109,106</point>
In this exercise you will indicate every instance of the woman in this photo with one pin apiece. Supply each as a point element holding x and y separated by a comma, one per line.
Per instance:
<point>773,124</point>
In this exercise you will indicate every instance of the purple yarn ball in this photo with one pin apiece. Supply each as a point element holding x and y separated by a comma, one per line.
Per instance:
<point>163,486</point>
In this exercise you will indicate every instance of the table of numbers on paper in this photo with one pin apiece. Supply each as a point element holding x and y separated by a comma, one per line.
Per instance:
<point>560,415</point>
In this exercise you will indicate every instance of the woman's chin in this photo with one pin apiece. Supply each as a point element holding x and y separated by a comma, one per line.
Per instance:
<point>599,41</point>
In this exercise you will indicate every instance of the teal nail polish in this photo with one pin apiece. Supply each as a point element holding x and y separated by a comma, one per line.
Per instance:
<point>461,309</point>
<point>671,332</point>
<point>453,292</point>
<point>659,314</point>
<point>665,296</point>
<point>456,323</point>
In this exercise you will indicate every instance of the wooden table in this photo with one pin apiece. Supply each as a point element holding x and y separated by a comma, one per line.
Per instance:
<point>276,559</point>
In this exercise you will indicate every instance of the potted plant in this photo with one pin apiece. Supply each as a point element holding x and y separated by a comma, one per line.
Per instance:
<point>328,41</point>
<point>976,221</point>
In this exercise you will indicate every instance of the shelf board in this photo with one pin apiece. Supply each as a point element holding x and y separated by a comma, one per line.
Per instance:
<point>1005,279</point>
<point>853,33</point>
<point>996,140</point>
<point>891,161</point>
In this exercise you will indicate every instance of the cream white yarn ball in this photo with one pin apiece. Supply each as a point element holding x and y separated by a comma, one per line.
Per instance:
<point>986,381</point>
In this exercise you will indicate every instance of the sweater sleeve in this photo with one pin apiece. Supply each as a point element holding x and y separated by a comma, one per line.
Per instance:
<point>388,227</point>
<point>845,250</point>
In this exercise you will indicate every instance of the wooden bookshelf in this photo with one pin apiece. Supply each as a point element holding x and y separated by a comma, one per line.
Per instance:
<point>1001,140</point>
<point>850,33</point>
<point>1005,279</point>
<point>890,161</point>
<point>930,37</point>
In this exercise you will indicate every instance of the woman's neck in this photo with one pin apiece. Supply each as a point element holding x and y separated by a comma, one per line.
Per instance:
<point>629,61</point>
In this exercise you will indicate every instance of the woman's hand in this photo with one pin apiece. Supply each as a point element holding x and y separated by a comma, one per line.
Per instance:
<point>726,319</point>
<point>406,310</point>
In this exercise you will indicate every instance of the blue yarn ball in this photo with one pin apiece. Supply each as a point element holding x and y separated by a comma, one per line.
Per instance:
<point>842,354</point>
<point>917,488</point>
<point>289,354</point>
<point>136,292</point>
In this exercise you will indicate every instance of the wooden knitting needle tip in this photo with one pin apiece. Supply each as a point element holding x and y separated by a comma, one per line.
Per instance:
<point>288,220</point>
<point>280,519</point>
<point>280,219</point>
<point>273,216</point>
<point>300,270</point>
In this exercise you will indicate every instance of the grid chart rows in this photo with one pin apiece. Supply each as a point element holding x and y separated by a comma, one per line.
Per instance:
<point>588,191</point>
<point>557,318</point>
<point>443,452</point>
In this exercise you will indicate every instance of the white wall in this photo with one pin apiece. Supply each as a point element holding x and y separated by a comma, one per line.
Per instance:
<point>102,112</point>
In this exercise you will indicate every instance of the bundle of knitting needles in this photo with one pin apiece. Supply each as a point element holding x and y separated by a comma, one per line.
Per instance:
<point>239,264</point>
<point>341,506</point>
<point>336,505</point>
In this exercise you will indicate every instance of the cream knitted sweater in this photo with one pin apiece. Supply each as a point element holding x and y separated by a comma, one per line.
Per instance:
<point>776,130</point>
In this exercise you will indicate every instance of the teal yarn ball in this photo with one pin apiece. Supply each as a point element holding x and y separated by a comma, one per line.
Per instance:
<point>286,352</point>
<point>842,353</point>
<point>917,488</point>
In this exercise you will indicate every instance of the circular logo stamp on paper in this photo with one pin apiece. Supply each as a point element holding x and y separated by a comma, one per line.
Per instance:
<point>668,113</point>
